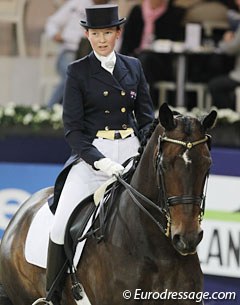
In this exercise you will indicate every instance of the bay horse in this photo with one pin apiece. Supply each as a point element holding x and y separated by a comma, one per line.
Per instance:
<point>153,228</point>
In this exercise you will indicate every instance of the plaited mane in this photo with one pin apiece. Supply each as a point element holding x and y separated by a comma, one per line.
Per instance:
<point>147,135</point>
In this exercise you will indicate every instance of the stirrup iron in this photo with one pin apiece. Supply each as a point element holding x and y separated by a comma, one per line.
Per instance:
<point>77,288</point>
<point>42,300</point>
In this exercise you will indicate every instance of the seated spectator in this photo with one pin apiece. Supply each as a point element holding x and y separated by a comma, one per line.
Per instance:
<point>222,88</point>
<point>63,27</point>
<point>154,19</point>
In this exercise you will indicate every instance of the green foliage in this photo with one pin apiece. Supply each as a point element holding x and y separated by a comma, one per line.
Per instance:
<point>34,116</point>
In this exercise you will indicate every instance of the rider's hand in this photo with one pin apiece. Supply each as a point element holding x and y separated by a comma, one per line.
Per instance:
<point>109,167</point>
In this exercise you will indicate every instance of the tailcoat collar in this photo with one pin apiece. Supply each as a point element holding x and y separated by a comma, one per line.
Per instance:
<point>119,72</point>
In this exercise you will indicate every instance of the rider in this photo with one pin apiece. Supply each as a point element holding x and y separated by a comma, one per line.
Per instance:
<point>106,110</point>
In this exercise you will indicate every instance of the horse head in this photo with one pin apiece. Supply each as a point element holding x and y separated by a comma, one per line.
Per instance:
<point>176,164</point>
<point>182,164</point>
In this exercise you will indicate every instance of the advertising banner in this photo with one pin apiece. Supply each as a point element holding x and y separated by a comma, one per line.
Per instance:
<point>219,250</point>
<point>18,181</point>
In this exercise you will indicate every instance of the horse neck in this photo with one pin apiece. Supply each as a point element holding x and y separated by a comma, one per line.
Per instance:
<point>144,178</point>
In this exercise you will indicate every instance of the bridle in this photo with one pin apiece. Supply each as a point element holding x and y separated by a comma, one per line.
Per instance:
<point>167,202</point>
<point>184,198</point>
<point>164,202</point>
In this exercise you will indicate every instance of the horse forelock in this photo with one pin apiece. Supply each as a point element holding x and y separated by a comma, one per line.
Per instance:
<point>188,125</point>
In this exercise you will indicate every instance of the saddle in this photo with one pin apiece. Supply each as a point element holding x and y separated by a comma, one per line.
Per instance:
<point>98,215</point>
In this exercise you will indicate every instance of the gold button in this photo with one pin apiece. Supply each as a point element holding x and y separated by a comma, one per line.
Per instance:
<point>124,126</point>
<point>105,93</point>
<point>106,128</point>
<point>107,111</point>
<point>123,93</point>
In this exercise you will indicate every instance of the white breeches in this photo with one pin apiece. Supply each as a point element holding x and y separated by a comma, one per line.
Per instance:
<point>83,180</point>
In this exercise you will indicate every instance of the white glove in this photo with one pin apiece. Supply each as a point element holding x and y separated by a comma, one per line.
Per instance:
<point>109,167</point>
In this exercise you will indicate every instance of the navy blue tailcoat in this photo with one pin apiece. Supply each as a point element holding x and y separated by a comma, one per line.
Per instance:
<point>94,99</point>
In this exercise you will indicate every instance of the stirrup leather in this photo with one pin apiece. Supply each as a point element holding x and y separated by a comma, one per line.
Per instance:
<point>42,300</point>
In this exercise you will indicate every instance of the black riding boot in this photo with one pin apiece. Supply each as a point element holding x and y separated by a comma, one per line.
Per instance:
<point>55,264</point>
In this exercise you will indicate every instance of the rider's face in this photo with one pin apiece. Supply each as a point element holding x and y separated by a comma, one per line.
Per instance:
<point>103,40</point>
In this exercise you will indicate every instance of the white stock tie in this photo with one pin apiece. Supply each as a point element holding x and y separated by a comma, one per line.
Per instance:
<point>109,64</point>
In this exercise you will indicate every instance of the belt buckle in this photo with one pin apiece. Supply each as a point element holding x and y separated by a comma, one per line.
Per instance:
<point>117,135</point>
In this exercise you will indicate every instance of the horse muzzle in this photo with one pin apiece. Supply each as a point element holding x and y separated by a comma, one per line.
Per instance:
<point>186,244</point>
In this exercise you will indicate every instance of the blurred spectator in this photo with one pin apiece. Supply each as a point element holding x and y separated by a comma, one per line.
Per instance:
<point>233,19</point>
<point>222,88</point>
<point>63,26</point>
<point>201,68</point>
<point>152,20</point>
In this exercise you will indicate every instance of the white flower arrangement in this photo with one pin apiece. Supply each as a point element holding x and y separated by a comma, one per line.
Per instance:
<point>224,116</point>
<point>34,116</point>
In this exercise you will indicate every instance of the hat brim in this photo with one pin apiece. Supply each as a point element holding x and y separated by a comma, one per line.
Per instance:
<point>89,26</point>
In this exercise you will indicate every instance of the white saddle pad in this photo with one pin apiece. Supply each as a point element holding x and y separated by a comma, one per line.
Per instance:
<point>36,246</point>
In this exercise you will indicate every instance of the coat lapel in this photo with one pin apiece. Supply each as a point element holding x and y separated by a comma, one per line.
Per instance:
<point>120,71</point>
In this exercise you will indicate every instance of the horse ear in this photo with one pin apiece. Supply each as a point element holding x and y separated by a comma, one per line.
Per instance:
<point>166,117</point>
<point>210,120</point>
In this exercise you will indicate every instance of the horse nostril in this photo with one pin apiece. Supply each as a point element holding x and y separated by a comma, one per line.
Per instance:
<point>178,242</point>
<point>200,237</point>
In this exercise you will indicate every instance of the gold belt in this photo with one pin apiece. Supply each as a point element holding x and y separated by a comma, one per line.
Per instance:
<point>115,134</point>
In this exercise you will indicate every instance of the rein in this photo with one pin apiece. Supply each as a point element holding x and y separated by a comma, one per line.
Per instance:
<point>133,193</point>
<point>136,196</point>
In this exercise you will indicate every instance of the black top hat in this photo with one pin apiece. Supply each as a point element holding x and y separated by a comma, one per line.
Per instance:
<point>102,16</point>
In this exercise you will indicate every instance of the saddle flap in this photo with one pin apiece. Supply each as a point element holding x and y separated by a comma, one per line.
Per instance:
<point>77,224</point>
